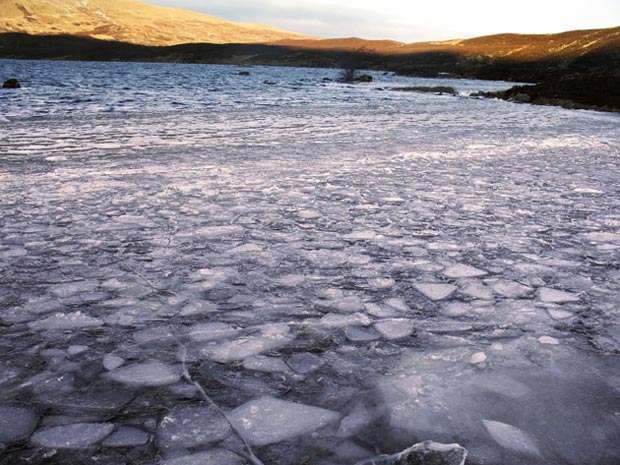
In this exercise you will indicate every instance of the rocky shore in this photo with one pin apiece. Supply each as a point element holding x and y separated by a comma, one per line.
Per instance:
<point>601,93</point>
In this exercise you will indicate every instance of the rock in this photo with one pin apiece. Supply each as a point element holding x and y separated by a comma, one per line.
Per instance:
<point>16,423</point>
<point>364,78</point>
<point>520,97</point>
<point>244,73</point>
<point>11,84</point>
<point>434,90</point>
<point>77,436</point>
<point>432,453</point>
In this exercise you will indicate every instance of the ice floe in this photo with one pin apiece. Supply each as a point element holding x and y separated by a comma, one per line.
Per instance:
<point>268,338</point>
<point>268,420</point>
<point>191,426</point>
<point>510,437</point>
<point>463,271</point>
<point>77,436</point>
<point>556,296</point>
<point>210,457</point>
<point>152,373</point>
<point>65,321</point>
<point>436,291</point>
<point>126,436</point>
<point>16,423</point>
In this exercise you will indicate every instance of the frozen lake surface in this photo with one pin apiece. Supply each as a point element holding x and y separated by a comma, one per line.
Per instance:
<point>344,270</point>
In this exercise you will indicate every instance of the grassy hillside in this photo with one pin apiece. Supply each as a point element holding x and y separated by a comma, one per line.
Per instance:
<point>129,21</point>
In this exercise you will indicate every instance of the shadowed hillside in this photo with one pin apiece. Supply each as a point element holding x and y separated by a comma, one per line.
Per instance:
<point>490,57</point>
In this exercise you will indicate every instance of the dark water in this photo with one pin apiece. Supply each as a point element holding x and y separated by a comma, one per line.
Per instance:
<point>345,270</point>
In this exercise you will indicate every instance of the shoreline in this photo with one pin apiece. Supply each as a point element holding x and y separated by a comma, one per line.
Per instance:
<point>596,93</point>
<point>591,86</point>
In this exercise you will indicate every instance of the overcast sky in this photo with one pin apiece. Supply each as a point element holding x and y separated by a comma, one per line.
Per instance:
<point>413,20</point>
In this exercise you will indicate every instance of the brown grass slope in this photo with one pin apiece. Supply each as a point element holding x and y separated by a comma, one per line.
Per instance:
<point>129,21</point>
<point>514,47</point>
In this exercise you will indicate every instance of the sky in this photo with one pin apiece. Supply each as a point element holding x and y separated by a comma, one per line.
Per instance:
<point>412,20</point>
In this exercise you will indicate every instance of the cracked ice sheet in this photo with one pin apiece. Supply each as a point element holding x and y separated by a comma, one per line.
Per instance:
<point>334,225</point>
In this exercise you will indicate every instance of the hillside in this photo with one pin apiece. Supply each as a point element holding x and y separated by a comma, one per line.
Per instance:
<point>129,21</point>
<point>516,47</point>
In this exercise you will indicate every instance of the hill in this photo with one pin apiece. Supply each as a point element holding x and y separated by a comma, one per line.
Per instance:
<point>129,21</point>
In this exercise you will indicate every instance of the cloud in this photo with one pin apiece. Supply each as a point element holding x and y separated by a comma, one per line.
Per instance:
<point>412,20</point>
<point>316,18</point>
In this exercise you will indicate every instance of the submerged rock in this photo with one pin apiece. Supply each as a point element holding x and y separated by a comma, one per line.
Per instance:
<point>432,453</point>
<point>428,89</point>
<point>11,84</point>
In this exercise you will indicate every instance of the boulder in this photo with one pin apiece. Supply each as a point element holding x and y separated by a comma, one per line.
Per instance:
<point>521,97</point>
<point>244,73</point>
<point>11,84</point>
<point>434,90</point>
<point>432,453</point>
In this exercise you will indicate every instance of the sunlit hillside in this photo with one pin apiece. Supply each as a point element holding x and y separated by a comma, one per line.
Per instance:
<point>129,21</point>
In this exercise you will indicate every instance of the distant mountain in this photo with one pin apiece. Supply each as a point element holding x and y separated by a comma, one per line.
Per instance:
<point>514,47</point>
<point>129,21</point>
